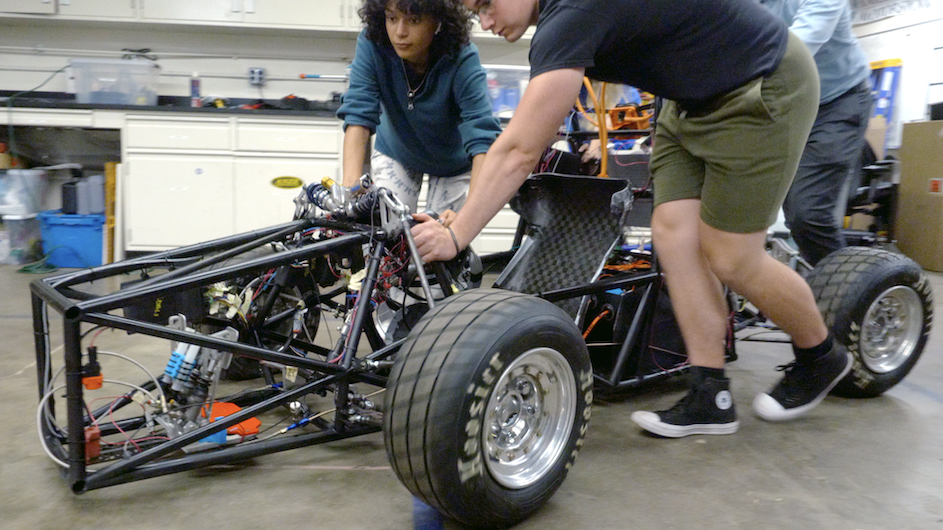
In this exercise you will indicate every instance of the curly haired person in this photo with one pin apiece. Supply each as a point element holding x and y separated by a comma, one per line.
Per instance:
<point>416,81</point>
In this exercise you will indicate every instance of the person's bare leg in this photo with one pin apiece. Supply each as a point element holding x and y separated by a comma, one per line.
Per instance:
<point>741,262</point>
<point>701,311</point>
<point>696,294</point>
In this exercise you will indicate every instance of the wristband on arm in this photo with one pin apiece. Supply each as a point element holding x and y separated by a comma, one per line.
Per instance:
<point>458,249</point>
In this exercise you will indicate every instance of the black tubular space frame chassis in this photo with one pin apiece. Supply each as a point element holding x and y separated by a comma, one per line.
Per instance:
<point>76,296</point>
<point>186,271</point>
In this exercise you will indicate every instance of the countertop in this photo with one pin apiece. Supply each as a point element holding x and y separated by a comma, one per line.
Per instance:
<point>92,147</point>
<point>288,106</point>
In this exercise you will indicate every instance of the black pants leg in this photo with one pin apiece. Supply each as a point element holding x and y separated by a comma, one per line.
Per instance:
<point>815,205</point>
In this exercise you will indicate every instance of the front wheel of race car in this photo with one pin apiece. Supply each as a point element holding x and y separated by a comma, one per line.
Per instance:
<point>880,306</point>
<point>487,406</point>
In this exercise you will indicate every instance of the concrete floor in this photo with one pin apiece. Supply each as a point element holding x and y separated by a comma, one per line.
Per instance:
<point>850,464</point>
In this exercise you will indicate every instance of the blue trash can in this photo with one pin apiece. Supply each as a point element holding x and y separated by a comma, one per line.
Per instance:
<point>71,240</point>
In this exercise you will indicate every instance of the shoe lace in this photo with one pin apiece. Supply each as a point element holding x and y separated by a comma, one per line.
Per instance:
<point>794,374</point>
<point>786,367</point>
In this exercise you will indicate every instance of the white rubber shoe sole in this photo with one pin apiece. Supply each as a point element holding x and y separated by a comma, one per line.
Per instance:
<point>653,424</point>
<point>769,409</point>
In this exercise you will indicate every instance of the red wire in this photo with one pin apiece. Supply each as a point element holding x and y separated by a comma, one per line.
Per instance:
<point>95,336</point>
<point>265,280</point>
<point>616,158</point>
<point>114,400</point>
<point>111,410</point>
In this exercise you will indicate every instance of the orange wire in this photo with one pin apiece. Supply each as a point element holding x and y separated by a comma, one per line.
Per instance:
<point>640,264</point>
<point>594,322</point>
<point>603,135</point>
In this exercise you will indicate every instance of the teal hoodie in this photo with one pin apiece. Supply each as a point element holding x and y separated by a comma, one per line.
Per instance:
<point>451,120</point>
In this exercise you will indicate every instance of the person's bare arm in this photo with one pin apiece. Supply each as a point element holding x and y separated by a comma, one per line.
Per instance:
<point>477,161</point>
<point>356,140</point>
<point>514,154</point>
<point>448,216</point>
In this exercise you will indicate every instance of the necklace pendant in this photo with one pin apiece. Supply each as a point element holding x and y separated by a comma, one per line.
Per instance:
<point>409,106</point>
<point>410,94</point>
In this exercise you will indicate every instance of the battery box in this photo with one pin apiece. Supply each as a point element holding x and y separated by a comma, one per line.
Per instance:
<point>159,308</point>
<point>659,348</point>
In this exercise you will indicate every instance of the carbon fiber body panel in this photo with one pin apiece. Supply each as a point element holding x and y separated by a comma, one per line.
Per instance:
<point>569,231</point>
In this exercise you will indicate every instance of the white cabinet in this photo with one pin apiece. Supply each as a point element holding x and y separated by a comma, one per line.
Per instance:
<point>327,14</point>
<point>33,7</point>
<point>176,133</point>
<point>177,199</point>
<point>190,11</point>
<point>289,136</point>
<point>192,178</point>
<point>353,19</point>
<point>117,9</point>
<point>267,149</point>
<point>179,185</point>
<point>258,201</point>
<point>320,14</point>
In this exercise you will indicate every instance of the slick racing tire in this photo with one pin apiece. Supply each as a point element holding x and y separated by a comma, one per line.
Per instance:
<point>880,306</point>
<point>487,405</point>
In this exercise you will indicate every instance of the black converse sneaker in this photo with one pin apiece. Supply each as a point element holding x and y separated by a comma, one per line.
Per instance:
<point>707,409</point>
<point>804,386</point>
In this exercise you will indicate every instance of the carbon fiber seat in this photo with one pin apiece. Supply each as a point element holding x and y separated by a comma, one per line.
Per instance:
<point>569,232</point>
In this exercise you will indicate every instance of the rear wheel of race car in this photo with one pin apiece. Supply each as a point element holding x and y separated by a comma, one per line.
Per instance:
<point>880,306</point>
<point>487,405</point>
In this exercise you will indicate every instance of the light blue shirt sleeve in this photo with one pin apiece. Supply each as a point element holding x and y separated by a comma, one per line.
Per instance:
<point>816,20</point>
<point>825,27</point>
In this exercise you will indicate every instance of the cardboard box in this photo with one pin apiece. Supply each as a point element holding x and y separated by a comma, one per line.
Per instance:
<point>860,221</point>
<point>919,224</point>
<point>876,135</point>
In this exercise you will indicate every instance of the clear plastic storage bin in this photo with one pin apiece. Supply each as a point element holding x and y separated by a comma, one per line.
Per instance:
<point>25,238</point>
<point>116,81</point>
<point>22,191</point>
<point>506,85</point>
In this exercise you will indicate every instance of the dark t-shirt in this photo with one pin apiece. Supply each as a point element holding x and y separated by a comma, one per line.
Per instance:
<point>685,50</point>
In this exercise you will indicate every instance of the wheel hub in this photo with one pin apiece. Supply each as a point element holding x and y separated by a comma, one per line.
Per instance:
<point>517,416</point>
<point>891,329</point>
<point>529,417</point>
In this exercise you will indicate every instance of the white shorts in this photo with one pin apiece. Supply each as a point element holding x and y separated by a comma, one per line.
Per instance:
<point>444,192</point>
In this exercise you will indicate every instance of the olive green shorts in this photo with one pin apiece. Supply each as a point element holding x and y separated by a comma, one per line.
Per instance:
<point>739,153</point>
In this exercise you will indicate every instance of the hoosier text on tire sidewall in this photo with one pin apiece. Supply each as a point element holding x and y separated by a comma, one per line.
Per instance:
<point>879,304</point>
<point>487,406</point>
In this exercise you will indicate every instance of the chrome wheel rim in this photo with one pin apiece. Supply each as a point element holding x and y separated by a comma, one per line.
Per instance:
<point>529,418</point>
<point>891,329</point>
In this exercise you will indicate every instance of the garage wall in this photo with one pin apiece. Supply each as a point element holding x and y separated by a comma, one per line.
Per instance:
<point>33,49</point>
<point>910,30</point>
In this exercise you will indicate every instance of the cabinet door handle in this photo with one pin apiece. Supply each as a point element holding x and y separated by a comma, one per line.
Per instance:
<point>250,6</point>
<point>235,6</point>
